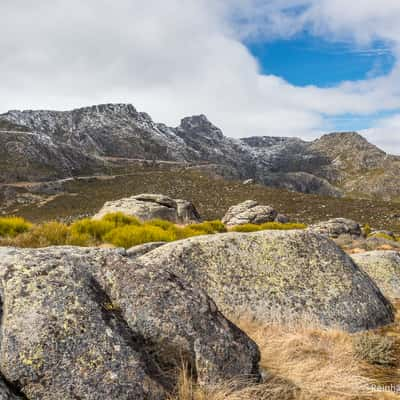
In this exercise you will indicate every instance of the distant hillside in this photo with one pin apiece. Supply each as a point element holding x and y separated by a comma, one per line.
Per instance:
<point>212,196</point>
<point>48,145</point>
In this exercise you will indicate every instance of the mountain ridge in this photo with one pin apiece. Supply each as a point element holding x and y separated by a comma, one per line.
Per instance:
<point>48,145</point>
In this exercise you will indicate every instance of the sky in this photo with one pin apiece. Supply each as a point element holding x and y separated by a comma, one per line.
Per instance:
<point>254,67</point>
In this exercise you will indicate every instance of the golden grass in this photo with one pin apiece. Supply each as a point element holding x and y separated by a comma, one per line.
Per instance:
<point>302,361</point>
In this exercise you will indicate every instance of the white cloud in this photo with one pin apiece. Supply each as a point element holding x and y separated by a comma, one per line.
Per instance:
<point>179,58</point>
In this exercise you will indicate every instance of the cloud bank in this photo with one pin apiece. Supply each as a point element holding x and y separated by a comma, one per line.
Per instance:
<point>176,58</point>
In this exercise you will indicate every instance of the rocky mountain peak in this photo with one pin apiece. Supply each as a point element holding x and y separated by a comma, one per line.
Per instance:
<point>200,125</point>
<point>346,140</point>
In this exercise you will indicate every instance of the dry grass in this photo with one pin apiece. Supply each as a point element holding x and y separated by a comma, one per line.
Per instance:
<point>304,362</point>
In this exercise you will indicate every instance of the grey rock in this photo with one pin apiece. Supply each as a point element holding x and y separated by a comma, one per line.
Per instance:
<point>249,182</point>
<point>152,206</point>
<point>292,274</point>
<point>336,227</point>
<point>186,212</point>
<point>97,325</point>
<point>6,393</point>
<point>59,341</point>
<point>249,212</point>
<point>282,218</point>
<point>384,268</point>
<point>140,250</point>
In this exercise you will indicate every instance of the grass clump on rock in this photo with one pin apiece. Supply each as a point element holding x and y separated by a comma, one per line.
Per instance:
<point>13,226</point>
<point>268,226</point>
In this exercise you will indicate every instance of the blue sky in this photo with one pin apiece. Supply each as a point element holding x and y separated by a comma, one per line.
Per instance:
<point>308,60</point>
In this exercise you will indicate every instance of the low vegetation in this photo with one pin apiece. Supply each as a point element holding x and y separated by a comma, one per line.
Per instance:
<point>268,226</point>
<point>114,229</point>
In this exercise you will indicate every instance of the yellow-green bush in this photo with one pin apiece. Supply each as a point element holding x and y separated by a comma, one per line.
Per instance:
<point>120,219</point>
<point>268,226</point>
<point>128,236</point>
<point>96,229</point>
<point>209,227</point>
<point>43,235</point>
<point>367,230</point>
<point>382,235</point>
<point>13,226</point>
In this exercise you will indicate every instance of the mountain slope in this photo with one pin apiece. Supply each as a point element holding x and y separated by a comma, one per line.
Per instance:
<point>44,145</point>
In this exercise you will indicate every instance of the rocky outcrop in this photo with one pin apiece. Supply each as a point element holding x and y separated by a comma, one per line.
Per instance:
<point>153,206</point>
<point>285,273</point>
<point>384,268</point>
<point>337,227</point>
<point>249,212</point>
<point>92,324</point>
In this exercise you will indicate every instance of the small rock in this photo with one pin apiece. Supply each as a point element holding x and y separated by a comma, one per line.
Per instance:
<point>337,227</point>
<point>249,182</point>
<point>249,212</point>
<point>282,218</point>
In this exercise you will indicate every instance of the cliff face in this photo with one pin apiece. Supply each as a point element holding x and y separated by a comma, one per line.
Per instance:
<point>43,145</point>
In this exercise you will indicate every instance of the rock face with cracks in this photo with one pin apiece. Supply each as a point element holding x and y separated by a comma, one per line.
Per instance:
<point>384,268</point>
<point>92,324</point>
<point>291,274</point>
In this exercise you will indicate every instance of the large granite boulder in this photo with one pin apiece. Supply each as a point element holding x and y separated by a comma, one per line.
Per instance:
<point>336,227</point>
<point>93,324</point>
<point>249,212</point>
<point>152,206</point>
<point>384,268</point>
<point>292,274</point>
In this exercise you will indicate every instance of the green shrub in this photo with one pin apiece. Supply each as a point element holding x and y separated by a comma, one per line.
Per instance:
<point>188,231</point>
<point>246,228</point>
<point>209,227</point>
<point>121,219</point>
<point>13,226</point>
<point>79,239</point>
<point>279,226</point>
<point>96,229</point>
<point>161,223</point>
<point>374,349</point>
<point>268,226</point>
<point>128,236</point>
<point>47,234</point>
